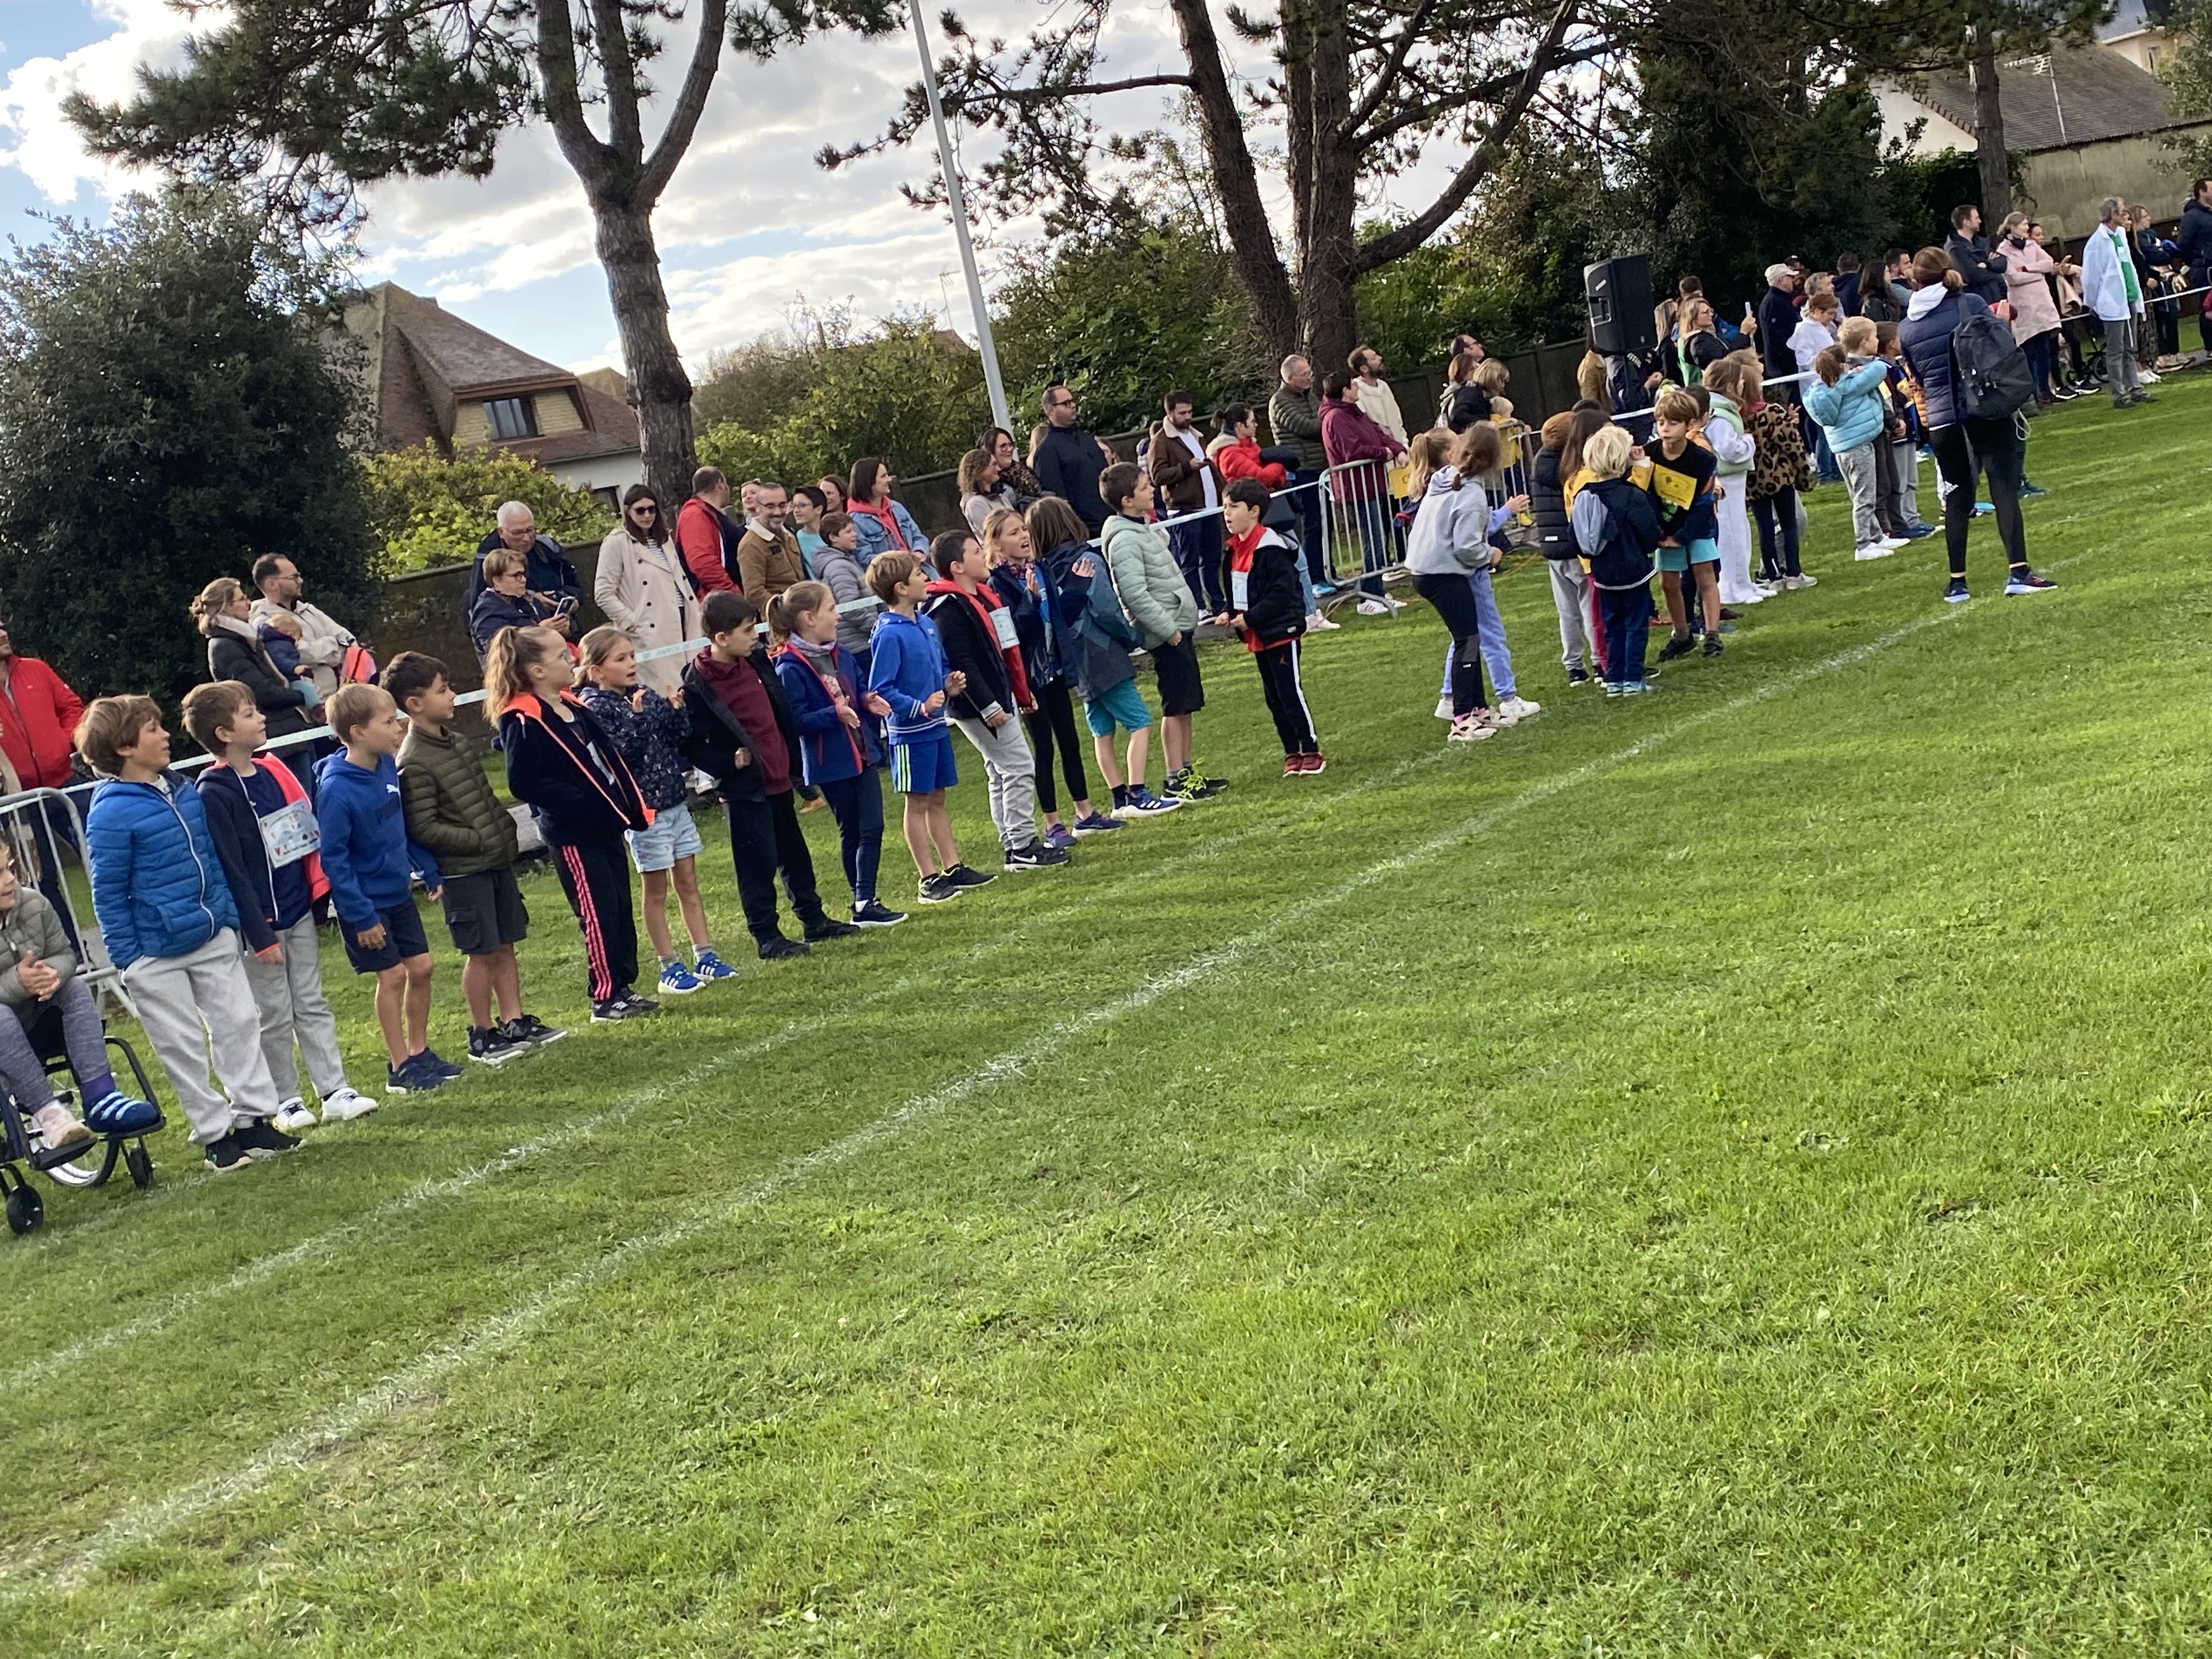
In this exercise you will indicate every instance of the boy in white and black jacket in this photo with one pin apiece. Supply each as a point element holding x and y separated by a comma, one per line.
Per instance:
<point>978,635</point>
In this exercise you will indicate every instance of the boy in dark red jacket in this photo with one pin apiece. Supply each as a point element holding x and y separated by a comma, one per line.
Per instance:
<point>1267,603</point>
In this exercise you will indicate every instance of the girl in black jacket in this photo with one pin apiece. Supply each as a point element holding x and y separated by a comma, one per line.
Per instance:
<point>1579,637</point>
<point>235,652</point>
<point>562,763</point>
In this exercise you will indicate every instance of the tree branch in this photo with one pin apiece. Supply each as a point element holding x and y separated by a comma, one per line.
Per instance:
<point>1364,109</point>
<point>1048,94</point>
<point>690,100</point>
<point>619,70</point>
<point>1478,92</point>
<point>1397,243</point>
<point>564,103</point>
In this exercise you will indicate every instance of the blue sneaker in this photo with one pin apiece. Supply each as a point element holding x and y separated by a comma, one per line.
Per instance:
<point>1092,823</point>
<point>117,1114</point>
<point>1913,533</point>
<point>677,980</point>
<point>1956,592</point>
<point>414,1077</point>
<point>1144,803</point>
<point>710,966</point>
<point>433,1060</point>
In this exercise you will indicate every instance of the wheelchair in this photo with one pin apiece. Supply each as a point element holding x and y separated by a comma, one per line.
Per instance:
<point>78,1166</point>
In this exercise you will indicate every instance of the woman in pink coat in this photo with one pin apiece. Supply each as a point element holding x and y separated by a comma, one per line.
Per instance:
<point>2028,267</point>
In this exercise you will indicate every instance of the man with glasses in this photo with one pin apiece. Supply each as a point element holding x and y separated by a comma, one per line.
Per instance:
<point>322,642</point>
<point>551,574</point>
<point>1069,459</point>
<point>768,553</point>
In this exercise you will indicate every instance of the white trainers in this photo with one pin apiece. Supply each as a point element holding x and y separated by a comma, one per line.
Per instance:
<point>293,1115</point>
<point>1444,706</point>
<point>1317,623</point>
<point>1800,582</point>
<point>1892,543</point>
<point>1373,608</point>
<point>1517,709</point>
<point>1872,550</point>
<point>58,1129</point>
<point>341,1104</point>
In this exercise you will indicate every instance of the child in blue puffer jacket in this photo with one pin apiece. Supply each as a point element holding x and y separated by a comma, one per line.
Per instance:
<point>171,926</point>
<point>1845,398</point>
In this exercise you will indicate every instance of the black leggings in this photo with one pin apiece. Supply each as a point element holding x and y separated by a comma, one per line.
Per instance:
<point>595,875</point>
<point>1452,597</point>
<point>1962,449</point>
<point>1777,523</point>
<point>1286,697</point>
<point>1053,720</point>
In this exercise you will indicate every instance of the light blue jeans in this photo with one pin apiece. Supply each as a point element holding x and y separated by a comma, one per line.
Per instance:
<point>1492,632</point>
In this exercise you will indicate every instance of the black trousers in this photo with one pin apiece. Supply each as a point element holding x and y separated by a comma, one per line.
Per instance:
<point>1453,600</point>
<point>1963,449</point>
<point>765,841</point>
<point>856,803</point>
<point>1286,698</point>
<point>595,875</point>
<point>1052,721</point>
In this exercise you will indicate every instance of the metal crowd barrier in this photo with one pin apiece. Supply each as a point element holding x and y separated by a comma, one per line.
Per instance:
<point>1368,507</point>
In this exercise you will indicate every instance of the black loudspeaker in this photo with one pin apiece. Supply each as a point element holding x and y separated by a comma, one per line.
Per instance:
<point>1619,292</point>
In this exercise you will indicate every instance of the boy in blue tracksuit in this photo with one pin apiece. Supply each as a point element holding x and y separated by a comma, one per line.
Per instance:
<point>171,926</point>
<point>907,669</point>
<point>370,859</point>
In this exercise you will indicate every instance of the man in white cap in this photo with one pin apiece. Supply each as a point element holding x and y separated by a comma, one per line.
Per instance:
<point>1778,320</point>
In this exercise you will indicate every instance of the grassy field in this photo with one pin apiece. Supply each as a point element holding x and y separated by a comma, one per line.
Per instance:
<point>1721,1173</point>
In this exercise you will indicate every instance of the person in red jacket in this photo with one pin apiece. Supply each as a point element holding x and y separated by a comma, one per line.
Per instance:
<point>706,537</point>
<point>39,714</point>
<point>1240,456</point>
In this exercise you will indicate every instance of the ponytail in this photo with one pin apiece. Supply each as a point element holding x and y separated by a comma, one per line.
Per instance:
<point>785,608</point>
<point>513,653</point>
<point>1829,365</point>
<point>1932,265</point>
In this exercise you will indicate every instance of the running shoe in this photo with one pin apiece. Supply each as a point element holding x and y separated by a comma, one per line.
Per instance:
<point>1060,836</point>
<point>341,1105</point>
<point>293,1115</point>
<point>1579,676</point>
<point>1315,762</point>
<point>1092,823</point>
<point>828,927</point>
<point>412,1078</point>
<point>444,1067</point>
<point>779,949</point>
<point>962,875</point>
<point>2029,491</point>
<point>1956,592</point>
<point>1035,856</point>
<point>58,1130</point>
<point>677,980</point>
<point>491,1046</point>
<point>707,965</point>
<point>263,1140</point>
<point>2024,581</point>
<point>937,888</point>
<point>873,913</point>
<point>225,1156</point>
<point>528,1028</point>
<point>117,1114</point>
<point>1444,708</point>
<point>1468,728</point>
<point>1146,804</point>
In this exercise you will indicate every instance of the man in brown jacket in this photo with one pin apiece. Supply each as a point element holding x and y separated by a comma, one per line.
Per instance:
<point>767,553</point>
<point>1185,476</point>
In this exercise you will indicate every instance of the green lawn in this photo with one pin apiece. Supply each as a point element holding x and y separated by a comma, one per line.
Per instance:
<point>1721,1173</point>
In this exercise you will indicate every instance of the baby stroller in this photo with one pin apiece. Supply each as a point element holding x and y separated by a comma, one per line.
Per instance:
<point>75,1166</point>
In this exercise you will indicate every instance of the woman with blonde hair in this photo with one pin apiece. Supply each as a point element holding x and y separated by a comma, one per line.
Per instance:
<point>981,492</point>
<point>234,651</point>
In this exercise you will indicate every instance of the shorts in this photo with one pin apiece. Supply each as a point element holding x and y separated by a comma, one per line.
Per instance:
<point>671,835</point>
<point>1181,692</point>
<point>1120,705</point>
<point>485,911</point>
<point>1702,551</point>
<point>403,938</point>
<point>924,766</point>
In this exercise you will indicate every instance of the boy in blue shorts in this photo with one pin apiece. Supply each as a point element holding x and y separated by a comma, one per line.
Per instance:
<point>1678,474</point>
<point>907,669</point>
<point>369,858</point>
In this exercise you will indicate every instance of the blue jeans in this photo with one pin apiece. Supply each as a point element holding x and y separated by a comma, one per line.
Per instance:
<point>1490,628</point>
<point>1626,613</point>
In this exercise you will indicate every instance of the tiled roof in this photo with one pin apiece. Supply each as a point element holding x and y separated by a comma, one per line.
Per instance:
<point>2074,95</point>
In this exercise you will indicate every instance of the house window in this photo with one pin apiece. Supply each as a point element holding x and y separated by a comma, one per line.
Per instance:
<point>511,417</point>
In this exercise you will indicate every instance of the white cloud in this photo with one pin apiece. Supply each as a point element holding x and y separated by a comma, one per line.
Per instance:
<point>44,146</point>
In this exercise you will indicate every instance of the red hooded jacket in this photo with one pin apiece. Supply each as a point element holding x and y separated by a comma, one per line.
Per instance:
<point>38,722</point>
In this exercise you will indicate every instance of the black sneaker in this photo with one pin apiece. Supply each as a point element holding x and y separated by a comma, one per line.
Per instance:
<point>937,888</point>
<point>492,1046</point>
<point>262,1140</point>
<point>776,948</point>
<point>636,1004</point>
<point>961,876</point>
<point>1679,645</point>
<point>225,1155</point>
<point>622,1006</point>
<point>528,1028</point>
<point>1035,856</point>
<point>412,1078</point>
<point>872,914</point>
<point>1956,592</point>
<point>1713,647</point>
<point>1578,676</point>
<point>823,928</point>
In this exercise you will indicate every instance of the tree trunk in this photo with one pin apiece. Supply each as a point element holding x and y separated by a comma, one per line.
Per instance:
<point>1990,144</point>
<point>657,383</point>
<point>1331,187</point>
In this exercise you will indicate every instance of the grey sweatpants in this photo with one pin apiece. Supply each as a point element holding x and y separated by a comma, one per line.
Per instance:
<point>1571,597</point>
<point>1011,773</point>
<point>2121,376</point>
<point>294,1010</point>
<point>1856,465</point>
<point>82,1036</point>
<point>199,1005</point>
<point>1904,500</point>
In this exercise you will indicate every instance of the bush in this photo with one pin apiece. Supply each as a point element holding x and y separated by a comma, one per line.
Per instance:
<point>425,510</point>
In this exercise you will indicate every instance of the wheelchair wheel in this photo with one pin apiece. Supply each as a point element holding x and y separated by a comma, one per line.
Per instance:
<point>89,1167</point>
<point>26,1209</point>
<point>140,1162</point>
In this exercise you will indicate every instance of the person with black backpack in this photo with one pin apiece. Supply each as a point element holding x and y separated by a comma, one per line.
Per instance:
<point>1957,350</point>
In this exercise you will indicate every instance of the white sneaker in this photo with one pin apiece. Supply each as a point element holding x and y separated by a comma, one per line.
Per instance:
<point>1872,550</point>
<point>1373,608</point>
<point>341,1104</point>
<point>58,1129</point>
<point>1517,709</point>
<point>2149,377</point>
<point>1317,623</point>
<point>1893,543</point>
<point>1800,582</point>
<point>293,1115</point>
<point>1444,706</point>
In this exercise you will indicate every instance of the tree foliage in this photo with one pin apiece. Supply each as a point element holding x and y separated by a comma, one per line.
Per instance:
<point>2188,77</point>
<point>171,406</point>
<point>425,510</point>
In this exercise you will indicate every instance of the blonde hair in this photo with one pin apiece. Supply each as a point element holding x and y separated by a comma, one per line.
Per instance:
<point>110,725</point>
<point>1737,377</point>
<point>1858,334</point>
<point>1591,380</point>
<point>799,600</point>
<point>1428,453</point>
<point>212,600</point>
<point>1492,375</point>
<point>352,706</point>
<point>596,646</point>
<point>889,572</point>
<point>997,520</point>
<point>1606,454</point>
<point>513,654</point>
<point>503,562</point>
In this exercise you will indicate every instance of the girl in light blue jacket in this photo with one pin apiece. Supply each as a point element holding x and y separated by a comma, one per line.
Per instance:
<point>1845,398</point>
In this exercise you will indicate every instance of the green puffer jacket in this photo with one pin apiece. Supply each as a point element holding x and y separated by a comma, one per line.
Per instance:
<point>31,925</point>
<point>451,809</point>
<point>1153,593</point>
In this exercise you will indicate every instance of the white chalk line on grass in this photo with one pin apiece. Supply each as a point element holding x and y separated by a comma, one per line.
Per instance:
<point>142,1523</point>
<point>261,1269</point>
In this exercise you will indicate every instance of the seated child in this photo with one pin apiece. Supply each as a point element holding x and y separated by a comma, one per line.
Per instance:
<point>40,986</point>
<point>266,833</point>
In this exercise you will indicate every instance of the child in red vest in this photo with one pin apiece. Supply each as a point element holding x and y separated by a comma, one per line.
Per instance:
<point>1267,604</point>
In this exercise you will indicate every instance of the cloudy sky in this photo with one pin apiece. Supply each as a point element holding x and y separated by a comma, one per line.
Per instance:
<point>750,225</point>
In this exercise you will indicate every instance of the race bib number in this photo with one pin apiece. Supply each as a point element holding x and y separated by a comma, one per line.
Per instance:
<point>290,833</point>
<point>1003,621</point>
<point>1677,490</point>
<point>1240,590</point>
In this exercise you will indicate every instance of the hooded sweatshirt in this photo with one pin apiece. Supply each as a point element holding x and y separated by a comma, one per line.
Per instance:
<point>1455,518</point>
<point>906,666</point>
<point>1263,588</point>
<point>368,855</point>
